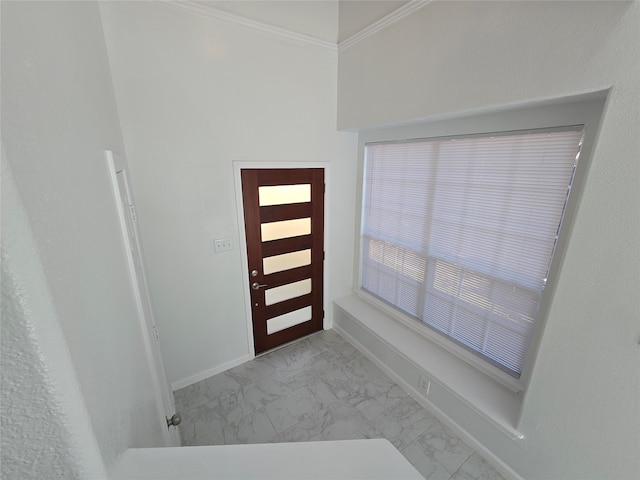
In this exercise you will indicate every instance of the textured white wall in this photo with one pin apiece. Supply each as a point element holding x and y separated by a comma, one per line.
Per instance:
<point>194,95</point>
<point>46,431</point>
<point>58,116</point>
<point>580,417</point>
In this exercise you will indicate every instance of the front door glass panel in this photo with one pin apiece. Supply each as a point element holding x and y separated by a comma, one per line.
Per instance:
<point>284,194</point>
<point>285,229</point>
<point>278,263</point>
<point>288,320</point>
<point>285,292</point>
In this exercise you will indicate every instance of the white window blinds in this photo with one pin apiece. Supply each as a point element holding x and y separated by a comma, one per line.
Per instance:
<point>459,232</point>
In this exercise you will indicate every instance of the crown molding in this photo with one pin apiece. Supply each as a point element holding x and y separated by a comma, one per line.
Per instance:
<point>212,12</point>
<point>217,14</point>
<point>384,22</point>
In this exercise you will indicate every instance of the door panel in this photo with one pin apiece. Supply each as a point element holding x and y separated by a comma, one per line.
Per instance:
<point>284,225</point>
<point>125,210</point>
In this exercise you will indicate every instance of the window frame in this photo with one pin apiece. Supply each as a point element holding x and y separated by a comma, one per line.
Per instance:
<point>585,111</point>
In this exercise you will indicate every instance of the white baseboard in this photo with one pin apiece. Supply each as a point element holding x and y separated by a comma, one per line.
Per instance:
<point>185,382</point>
<point>487,454</point>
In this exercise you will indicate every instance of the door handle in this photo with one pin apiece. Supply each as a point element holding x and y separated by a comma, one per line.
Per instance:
<point>174,421</point>
<point>256,285</point>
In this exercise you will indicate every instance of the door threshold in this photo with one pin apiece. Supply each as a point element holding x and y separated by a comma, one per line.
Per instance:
<point>276,348</point>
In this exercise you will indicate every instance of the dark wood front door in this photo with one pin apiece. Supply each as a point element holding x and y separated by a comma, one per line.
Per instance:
<point>284,225</point>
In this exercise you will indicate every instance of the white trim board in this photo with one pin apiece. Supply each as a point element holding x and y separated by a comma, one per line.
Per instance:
<point>301,38</point>
<point>198,377</point>
<point>217,14</point>
<point>383,23</point>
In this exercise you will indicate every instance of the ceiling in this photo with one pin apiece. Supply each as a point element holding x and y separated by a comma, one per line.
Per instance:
<point>327,20</point>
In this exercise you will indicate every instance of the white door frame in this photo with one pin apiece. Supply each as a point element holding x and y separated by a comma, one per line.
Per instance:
<point>242,240</point>
<point>164,396</point>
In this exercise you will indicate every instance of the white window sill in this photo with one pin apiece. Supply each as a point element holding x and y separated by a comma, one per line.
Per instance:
<point>444,343</point>
<point>482,394</point>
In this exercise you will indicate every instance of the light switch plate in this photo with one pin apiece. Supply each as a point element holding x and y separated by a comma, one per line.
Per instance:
<point>222,245</point>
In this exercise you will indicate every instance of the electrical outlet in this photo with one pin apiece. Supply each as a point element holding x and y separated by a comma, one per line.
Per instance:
<point>222,245</point>
<point>424,384</point>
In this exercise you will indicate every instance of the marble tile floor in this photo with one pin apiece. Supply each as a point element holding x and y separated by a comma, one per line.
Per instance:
<point>321,388</point>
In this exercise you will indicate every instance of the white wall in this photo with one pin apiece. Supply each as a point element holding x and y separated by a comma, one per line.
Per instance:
<point>66,295</point>
<point>580,417</point>
<point>46,430</point>
<point>194,95</point>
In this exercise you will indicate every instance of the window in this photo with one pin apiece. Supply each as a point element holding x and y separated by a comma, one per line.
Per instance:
<point>459,232</point>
